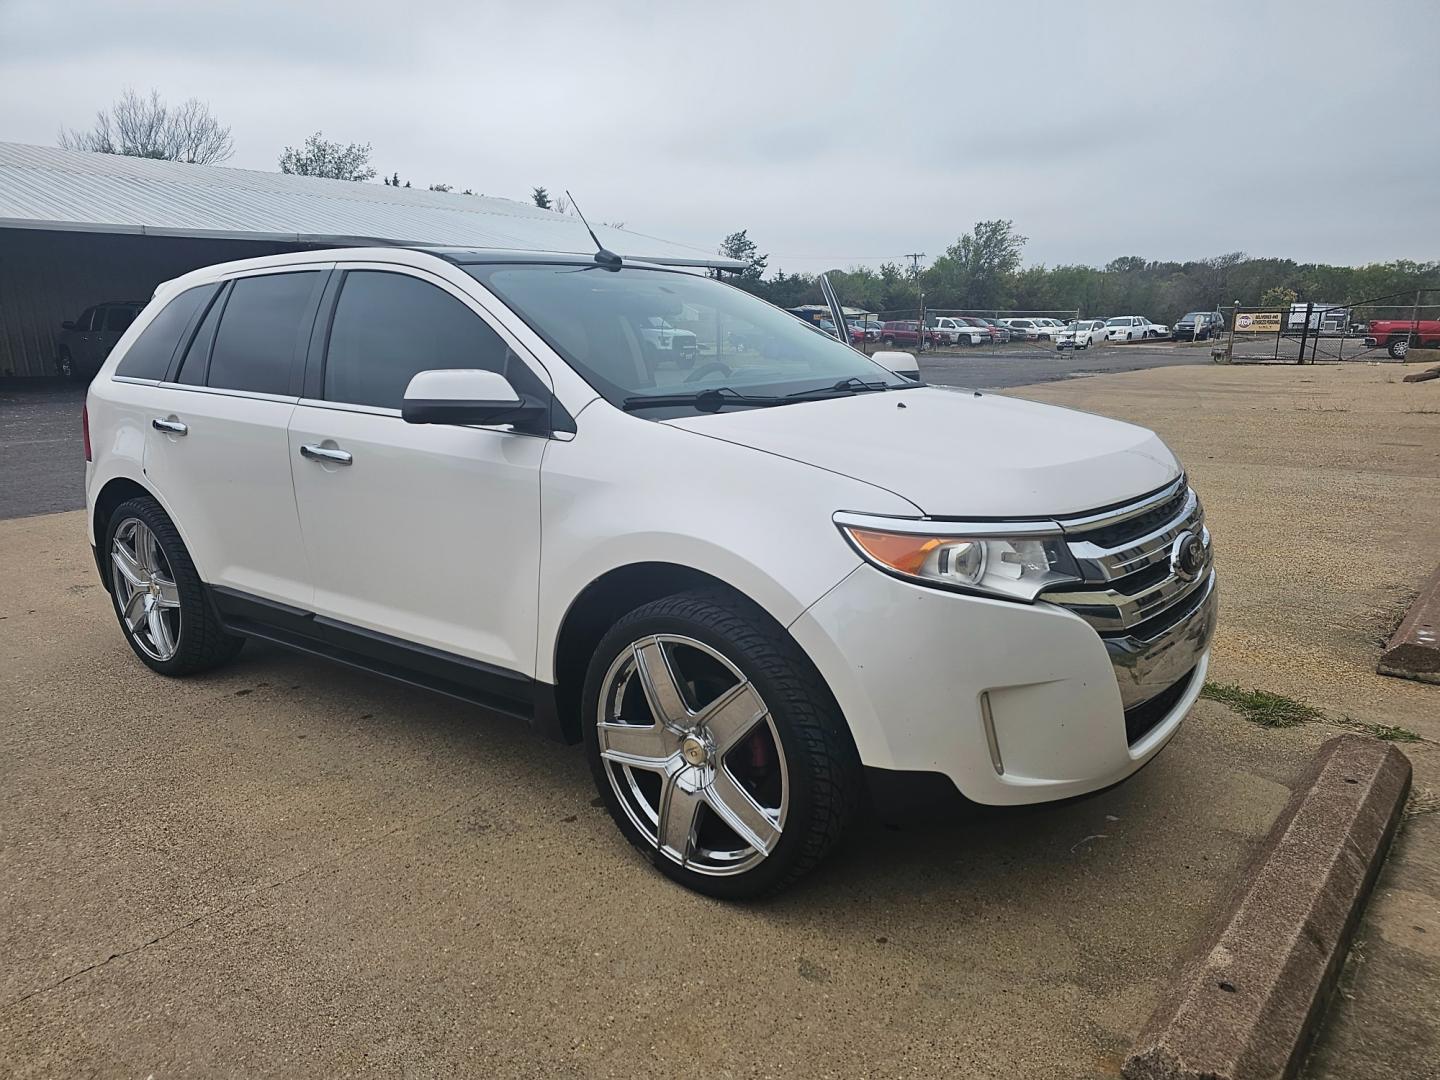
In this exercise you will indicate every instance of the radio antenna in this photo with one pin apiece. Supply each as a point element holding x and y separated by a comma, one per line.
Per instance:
<point>606,258</point>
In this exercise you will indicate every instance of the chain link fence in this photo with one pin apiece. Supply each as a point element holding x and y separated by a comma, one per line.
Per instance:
<point>1375,328</point>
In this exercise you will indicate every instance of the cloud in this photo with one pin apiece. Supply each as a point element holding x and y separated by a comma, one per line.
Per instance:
<point>834,132</point>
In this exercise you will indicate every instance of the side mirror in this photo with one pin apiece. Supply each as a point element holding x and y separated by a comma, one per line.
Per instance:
<point>901,363</point>
<point>467,396</point>
<point>68,324</point>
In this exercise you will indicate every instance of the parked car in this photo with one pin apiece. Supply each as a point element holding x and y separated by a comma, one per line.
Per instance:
<point>744,588</point>
<point>1156,330</point>
<point>664,342</point>
<point>1055,325</point>
<point>1127,328</point>
<point>1081,334</point>
<point>995,333</point>
<point>869,328</point>
<point>999,332</point>
<point>1199,326</point>
<point>1027,330</point>
<point>1399,336</point>
<point>904,332</point>
<point>958,332</point>
<point>86,341</point>
<point>856,335</point>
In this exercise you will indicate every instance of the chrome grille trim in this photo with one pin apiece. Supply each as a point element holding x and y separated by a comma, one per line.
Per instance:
<point>1086,522</point>
<point>1120,589</point>
<point>1107,564</point>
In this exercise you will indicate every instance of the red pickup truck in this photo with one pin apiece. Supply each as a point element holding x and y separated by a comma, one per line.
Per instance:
<point>1398,335</point>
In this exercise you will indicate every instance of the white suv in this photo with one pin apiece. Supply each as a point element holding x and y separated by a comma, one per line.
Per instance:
<point>757,589</point>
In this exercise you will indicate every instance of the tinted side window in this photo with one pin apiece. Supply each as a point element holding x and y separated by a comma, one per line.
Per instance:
<point>389,326</point>
<point>119,318</point>
<point>197,355</point>
<point>86,318</point>
<point>149,355</point>
<point>262,331</point>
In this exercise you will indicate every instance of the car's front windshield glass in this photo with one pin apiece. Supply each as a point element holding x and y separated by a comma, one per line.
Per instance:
<point>1193,315</point>
<point>604,324</point>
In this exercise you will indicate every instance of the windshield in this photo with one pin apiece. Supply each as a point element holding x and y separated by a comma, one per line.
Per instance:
<point>1193,315</point>
<point>597,321</point>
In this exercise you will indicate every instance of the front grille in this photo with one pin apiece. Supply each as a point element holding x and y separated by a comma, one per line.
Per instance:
<point>1153,622</point>
<point>1131,528</point>
<point>1124,556</point>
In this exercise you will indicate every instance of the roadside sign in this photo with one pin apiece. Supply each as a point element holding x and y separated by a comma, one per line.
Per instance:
<point>1257,322</point>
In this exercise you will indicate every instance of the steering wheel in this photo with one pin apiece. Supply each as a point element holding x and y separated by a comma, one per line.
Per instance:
<point>705,369</point>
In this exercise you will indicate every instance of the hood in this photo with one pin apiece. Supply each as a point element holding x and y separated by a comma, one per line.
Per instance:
<point>954,454</point>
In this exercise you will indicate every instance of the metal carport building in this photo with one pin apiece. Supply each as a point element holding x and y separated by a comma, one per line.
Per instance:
<point>78,229</point>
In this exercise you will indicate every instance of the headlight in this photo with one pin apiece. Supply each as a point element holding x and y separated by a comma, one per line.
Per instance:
<point>1016,561</point>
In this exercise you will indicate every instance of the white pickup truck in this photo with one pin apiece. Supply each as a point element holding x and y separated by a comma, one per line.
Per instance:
<point>955,332</point>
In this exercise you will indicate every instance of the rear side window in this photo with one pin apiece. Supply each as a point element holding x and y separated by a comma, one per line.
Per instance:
<point>389,326</point>
<point>264,328</point>
<point>118,319</point>
<point>149,354</point>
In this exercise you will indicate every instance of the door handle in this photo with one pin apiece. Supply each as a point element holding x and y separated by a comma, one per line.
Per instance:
<point>316,452</point>
<point>172,427</point>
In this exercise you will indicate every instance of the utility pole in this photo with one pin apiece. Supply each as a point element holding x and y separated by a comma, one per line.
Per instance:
<point>915,257</point>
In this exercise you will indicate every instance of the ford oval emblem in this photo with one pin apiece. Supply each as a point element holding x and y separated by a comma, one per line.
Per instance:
<point>1187,556</point>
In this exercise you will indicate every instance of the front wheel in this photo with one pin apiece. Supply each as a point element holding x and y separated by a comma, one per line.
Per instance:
<point>716,745</point>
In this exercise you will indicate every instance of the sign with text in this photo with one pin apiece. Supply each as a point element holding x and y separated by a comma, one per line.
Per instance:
<point>1257,322</point>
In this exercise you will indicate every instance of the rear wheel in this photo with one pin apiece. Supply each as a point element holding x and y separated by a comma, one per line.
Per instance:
<point>716,746</point>
<point>887,340</point>
<point>157,594</point>
<point>1398,347</point>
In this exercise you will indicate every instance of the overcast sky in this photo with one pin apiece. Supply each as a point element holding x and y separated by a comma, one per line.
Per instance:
<point>837,133</point>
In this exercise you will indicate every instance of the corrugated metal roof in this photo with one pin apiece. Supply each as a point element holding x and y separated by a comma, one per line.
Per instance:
<point>43,187</point>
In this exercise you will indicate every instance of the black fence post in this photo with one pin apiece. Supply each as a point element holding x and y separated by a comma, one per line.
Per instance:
<point>1305,332</point>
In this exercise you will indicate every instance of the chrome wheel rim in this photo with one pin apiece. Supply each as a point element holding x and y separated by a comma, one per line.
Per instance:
<point>692,753</point>
<point>145,590</point>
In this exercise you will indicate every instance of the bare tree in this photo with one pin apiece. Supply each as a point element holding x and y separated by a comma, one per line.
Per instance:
<point>137,126</point>
<point>321,157</point>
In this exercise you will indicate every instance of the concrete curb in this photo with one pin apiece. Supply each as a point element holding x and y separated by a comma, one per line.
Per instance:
<point>1414,651</point>
<point>1247,1002</point>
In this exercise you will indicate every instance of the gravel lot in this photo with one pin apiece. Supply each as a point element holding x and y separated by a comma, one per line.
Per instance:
<point>288,868</point>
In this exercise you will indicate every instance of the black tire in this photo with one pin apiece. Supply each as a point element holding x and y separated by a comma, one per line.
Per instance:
<point>1398,347</point>
<point>824,772</point>
<point>65,365</point>
<point>201,643</point>
<point>887,340</point>
<point>685,360</point>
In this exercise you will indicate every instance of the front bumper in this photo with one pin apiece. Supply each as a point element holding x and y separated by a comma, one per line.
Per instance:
<point>1014,703</point>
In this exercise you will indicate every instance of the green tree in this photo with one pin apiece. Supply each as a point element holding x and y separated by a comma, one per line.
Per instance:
<point>977,270</point>
<point>739,246</point>
<point>321,157</point>
<point>540,197</point>
<point>1279,297</point>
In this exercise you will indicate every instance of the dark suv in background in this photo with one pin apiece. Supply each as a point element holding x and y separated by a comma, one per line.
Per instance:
<point>86,342</point>
<point>1199,325</point>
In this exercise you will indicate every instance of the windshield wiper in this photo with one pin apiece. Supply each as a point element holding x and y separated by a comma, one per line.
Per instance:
<point>850,383</point>
<point>711,400</point>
